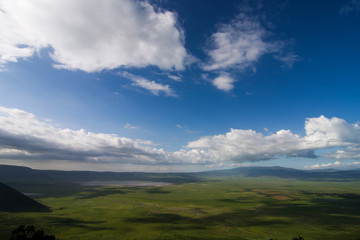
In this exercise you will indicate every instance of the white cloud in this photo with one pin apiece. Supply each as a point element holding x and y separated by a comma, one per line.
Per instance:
<point>129,126</point>
<point>175,78</point>
<point>352,6</point>
<point>288,59</point>
<point>347,153</point>
<point>25,138</point>
<point>91,35</point>
<point>186,129</point>
<point>224,82</point>
<point>336,165</point>
<point>152,86</point>
<point>247,145</point>
<point>334,132</point>
<point>239,44</point>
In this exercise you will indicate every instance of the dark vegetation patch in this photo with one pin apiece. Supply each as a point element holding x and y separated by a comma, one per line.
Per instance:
<point>29,233</point>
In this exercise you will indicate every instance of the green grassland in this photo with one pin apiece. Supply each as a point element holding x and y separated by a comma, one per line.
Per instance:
<point>216,208</point>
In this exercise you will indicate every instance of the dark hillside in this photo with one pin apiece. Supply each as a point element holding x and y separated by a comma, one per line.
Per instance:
<point>14,201</point>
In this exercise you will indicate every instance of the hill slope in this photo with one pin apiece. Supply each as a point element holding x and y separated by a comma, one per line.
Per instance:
<point>14,201</point>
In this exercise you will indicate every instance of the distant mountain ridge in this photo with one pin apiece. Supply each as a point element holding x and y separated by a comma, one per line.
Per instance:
<point>17,174</point>
<point>287,173</point>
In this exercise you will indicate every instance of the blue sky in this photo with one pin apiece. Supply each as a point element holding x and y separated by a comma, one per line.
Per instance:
<point>179,85</point>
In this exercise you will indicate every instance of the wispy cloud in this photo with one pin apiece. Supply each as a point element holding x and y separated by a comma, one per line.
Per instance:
<point>352,6</point>
<point>175,78</point>
<point>186,129</point>
<point>94,35</point>
<point>239,44</point>
<point>129,126</point>
<point>152,86</point>
<point>288,59</point>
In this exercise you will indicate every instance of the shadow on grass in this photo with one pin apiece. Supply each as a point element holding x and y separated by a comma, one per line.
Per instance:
<point>171,221</point>
<point>101,192</point>
<point>160,218</point>
<point>353,196</point>
<point>181,228</point>
<point>336,212</point>
<point>236,200</point>
<point>70,222</point>
<point>244,218</point>
<point>156,190</point>
<point>191,237</point>
<point>324,209</point>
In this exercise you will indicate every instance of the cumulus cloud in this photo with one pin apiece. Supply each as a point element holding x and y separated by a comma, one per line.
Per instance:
<point>247,145</point>
<point>334,132</point>
<point>239,44</point>
<point>347,153</point>
<point>152,86</point>
<point>24,137</point>
<point>224,82</point>
<point>92,35</point>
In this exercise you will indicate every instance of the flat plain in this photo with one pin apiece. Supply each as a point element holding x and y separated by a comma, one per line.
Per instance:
<point>232,207</point>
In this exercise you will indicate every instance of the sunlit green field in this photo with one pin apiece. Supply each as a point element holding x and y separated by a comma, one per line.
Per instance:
<point>228,208</point>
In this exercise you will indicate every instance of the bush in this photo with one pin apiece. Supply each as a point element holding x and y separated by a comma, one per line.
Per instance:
<point>29,233</point>
<point>298,238</point>
<point>295,238</point>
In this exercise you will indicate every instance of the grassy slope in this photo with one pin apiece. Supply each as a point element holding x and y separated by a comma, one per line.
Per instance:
<point>229,208</point>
